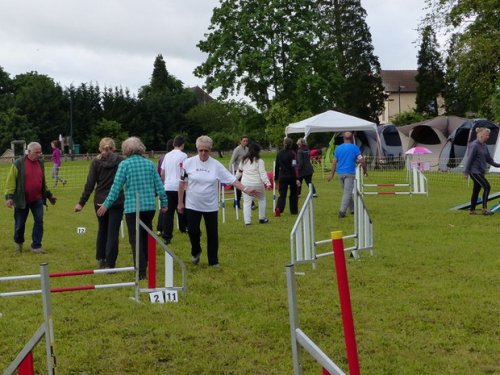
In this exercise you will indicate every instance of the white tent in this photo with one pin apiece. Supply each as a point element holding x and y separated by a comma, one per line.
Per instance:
<point>365,132</point>
<point>330,121</point>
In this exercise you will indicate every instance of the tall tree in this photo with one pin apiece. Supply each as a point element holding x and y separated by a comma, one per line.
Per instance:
<point>477,48</point>
<point>345,32</point>
<point>6,90</point>
<point>430,75</point>
<point>84,110</point>
<point>262,48</point>
<point>41,100</point>
<point>162,105</point>
<point>454,99</point>
<point>307,55</point>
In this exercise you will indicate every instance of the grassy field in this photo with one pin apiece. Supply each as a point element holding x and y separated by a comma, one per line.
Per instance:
<point>427,302</point>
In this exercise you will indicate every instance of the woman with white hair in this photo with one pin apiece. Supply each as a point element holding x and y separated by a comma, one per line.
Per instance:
<point>475,168</point>
<point>137,174</point>
<point>199,179</point>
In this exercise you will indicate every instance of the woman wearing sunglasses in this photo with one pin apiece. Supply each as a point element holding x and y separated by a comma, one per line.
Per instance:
<point>200,178</point>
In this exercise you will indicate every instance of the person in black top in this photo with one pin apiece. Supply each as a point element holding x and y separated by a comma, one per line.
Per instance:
<point>304,166</point>
<point>285,173</point>
<point>101,176</point>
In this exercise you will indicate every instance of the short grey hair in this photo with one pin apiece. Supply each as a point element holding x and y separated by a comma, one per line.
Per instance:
<point>32,145</point>
<point>302,142</point>
<point>133,145</point>
<point>204,140</point>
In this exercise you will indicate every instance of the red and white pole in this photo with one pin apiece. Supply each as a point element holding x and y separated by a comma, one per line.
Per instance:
<point>345,302</point>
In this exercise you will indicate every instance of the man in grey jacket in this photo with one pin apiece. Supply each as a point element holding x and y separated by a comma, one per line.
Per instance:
<point>238,153</point>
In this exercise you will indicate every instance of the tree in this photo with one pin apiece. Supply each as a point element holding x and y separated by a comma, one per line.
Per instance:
<point>344,31</point>
<point>83,111</point>
<point>259,47</point>
<point>6,90</point>
<point>104,128</point>
<point>162,105</point>
<point>14,126</point>
<point>476,55</point>
<point>455,100</point>
<point>430,75</point>
<point>307,55</point>
<point>37,97</point>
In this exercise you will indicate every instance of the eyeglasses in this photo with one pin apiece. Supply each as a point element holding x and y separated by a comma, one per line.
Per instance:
<point>202,150</point>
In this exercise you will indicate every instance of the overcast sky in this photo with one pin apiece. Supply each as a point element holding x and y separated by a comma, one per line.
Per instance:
<point>114,42</point>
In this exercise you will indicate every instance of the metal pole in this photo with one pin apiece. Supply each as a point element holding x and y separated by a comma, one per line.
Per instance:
<point>294,318</point>
<point>47,312</point>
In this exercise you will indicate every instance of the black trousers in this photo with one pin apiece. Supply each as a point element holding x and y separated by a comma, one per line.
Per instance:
<point>147,218</point>
<point>211,226</point>
<point>308,180</point>
<point>168,223</point>
<point>107,235</point>
<point>286,183</point>
<point>480,182</point>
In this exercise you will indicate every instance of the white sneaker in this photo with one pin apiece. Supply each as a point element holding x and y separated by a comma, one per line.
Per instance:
<point>195,259</point>
<point>38,251</point>
<point>19,247</point>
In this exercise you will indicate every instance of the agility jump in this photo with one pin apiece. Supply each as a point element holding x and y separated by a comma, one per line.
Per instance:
<point>302,236</point>
<point>300,340</point>
<point>417,184</point>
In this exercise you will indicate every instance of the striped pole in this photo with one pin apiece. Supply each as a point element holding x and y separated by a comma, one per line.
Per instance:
<point>151,262</point>
<point>345,302</point>
<point>68,273</point>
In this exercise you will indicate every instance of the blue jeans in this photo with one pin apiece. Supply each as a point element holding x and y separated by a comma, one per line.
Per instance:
<point>20,217</point>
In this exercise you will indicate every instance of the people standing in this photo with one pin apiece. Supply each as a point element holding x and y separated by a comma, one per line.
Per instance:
<point>238,153</point>
<point>101,176</point>
<point>305,169</point>
<point>200,177</point>
<point>253,175</point>
<point>26,190</point>
<point>56,162</point>
<point>475,168</point>
<point>346,156</point>
<point>137,175</point>
<point>285,173</point>
<point>171,174</point>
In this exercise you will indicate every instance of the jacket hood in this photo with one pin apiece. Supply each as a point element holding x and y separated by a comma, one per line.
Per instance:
<point>110,160</point>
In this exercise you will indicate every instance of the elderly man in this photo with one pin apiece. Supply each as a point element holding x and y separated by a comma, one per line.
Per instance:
<point>344,163</point>
<point>238,153</point>
<point>26,190</point>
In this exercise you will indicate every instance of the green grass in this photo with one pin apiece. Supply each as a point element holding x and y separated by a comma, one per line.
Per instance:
<point>426,303</point>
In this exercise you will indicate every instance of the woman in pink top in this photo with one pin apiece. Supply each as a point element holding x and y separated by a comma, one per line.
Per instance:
<point>56,160</point>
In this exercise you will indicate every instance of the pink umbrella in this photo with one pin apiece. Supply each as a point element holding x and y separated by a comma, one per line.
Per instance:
<point>419,150</point>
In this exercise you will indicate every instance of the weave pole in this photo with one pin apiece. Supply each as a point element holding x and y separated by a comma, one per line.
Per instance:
<point>345,302</point>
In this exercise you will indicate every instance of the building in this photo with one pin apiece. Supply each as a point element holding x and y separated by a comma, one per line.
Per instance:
<point>400,87</point>
<point>202,96</point>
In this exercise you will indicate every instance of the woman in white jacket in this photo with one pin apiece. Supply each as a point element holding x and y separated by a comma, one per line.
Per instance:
<point>254,176</point>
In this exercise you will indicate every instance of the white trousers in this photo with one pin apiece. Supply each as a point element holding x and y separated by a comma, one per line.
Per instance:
<point>247,203</point>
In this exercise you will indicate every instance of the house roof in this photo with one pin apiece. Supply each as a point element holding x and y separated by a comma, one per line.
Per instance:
<point>201,95</point>
<point>393,79</point>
